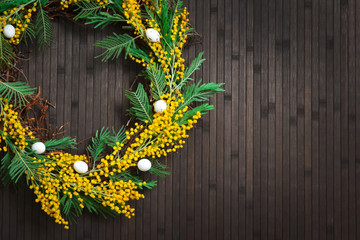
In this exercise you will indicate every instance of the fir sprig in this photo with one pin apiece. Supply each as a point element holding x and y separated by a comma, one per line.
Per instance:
<point>6,52</point>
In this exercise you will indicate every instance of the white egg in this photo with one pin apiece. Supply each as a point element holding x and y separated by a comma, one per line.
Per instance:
<point>39,147</point>
<point>152,35</point>
<point>144,165</point>
<point>81,167</point>
<point>160,106</point>
<point>9,31</point>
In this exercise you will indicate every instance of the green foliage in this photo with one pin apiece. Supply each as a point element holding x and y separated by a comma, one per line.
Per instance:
<point>127,176</point>
<point>114,45</point>
<point>19,163</point>
<point>198,93</point>
<point>104,19</point>
<point>99,143</point>
<point>194,66</point>
<point>203,109</point>
<point>157,78</point>
<point>141,108</point>
<point>87,9</point>
<point>4,168</point>
<point>61,144</point>
<point>118,137</point>
<point>16,92</point>
<point>9,4</point>
<point>158,169</point>
<point>6,52</point>
<point>70,207</point>
<point>43,29</point>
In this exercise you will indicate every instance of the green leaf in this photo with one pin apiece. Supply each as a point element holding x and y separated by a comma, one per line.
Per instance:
<point>4,169</point>
<point>6,52</point>
<point>203,109</point>
<point>9,4</point>
<point>114,45</point>
<point>19,164</point>
<point>194,66</point>
<point>60,144</point>
<point>141,108</point>
<point>157,77</point>
<point>118,137</point>
<point>99,143</point>
<point>43,29</point>
<point>104,19</point>
<point>15,91</point>
<point>87,9</point>
<point>158,169</point>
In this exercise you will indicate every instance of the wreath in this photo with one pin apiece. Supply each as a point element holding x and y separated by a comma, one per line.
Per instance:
<point>162,110</point>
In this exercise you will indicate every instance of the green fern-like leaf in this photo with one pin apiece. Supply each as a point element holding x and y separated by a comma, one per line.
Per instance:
<point>203,109</point>
<point>104,19</point>
<point>198,93</point>
<point>194,66</point>
<point>114,45</point>
<point>6,52</point>
<point>87,9</point>
<point>60,144</point>
<point>157,78</point>
<point>43,29</point>
<point>141,108</point>
<point>9,4</point>
<point>118,137</point>
<point>19,164</point>
<point>16,92</point>
<point>99,143</point>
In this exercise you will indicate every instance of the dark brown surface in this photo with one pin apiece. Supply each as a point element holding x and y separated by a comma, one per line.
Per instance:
<point>278,158</point>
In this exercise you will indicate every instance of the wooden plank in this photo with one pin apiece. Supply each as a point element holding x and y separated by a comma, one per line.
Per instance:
<point>344,111</point>
<point>330,120</point>
<point>351,94</point>
<point>337,121</point>
<point>249,221</point>
<point>307,121</point>
<point>271,128</point>
<point>279,125</point>
<point>243,136</point>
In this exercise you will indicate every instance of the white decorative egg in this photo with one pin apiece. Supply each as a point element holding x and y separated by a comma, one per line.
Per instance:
<point>152,35</point>
<point>160,106</point>
<point>144,165</point>
<point>9,31</point>
<point>39,147</point>
<point>81,167</point>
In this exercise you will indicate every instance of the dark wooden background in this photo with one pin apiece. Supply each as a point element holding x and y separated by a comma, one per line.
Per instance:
<point>279,158</point>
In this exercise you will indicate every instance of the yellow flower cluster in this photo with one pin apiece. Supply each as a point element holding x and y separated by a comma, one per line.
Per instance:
<point>57,176</point>
<point>20,25</point>
<point>179,31</point>
<point>12,127</point>
<point>162,136</point>
<point>132,12</point>
<point>67,3</point>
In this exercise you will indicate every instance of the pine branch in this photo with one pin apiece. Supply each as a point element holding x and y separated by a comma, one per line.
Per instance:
<point>43,29</point>
<point>141,108</point>
<point>15,91</point>
<point>114,45</point>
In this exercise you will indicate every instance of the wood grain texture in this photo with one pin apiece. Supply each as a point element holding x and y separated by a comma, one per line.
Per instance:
<point>278,158</point>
